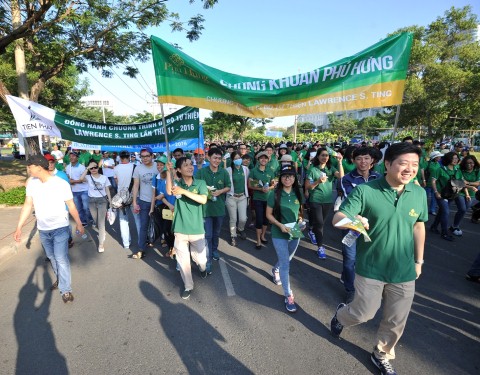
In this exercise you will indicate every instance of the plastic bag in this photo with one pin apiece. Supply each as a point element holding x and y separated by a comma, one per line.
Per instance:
<point>153,231</point>
<point>111,215</point>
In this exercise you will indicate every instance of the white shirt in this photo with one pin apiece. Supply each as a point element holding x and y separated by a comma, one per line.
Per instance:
<point>123,173</point>
<point>97,186</point>
<point>108,172</point>
<point>74,173</point>
<point>49,202</point>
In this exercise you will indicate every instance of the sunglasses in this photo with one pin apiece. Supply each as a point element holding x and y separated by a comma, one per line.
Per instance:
<point>92,168</point>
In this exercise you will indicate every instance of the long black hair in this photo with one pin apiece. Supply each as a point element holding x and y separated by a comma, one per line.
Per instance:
<point>316,161</point>
<point>278,195</point>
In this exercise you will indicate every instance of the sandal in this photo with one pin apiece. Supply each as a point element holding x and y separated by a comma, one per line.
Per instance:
<point>138,255</point>
<point>171,253</point>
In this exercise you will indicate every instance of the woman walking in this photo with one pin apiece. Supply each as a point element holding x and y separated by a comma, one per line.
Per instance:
<point>237,197</point>
<point>283,210</point>
<point>319,184</point>
<point>187,223</point>
<point>440,179</point>
<point>98,198</point>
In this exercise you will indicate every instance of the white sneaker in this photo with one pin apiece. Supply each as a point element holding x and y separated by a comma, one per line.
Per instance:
<point>101,249</point>
<point>457,232</point>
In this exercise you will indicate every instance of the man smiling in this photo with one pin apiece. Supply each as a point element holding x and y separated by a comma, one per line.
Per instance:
<point>386,267</point>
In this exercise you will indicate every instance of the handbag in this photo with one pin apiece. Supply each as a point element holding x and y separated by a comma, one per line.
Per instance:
<point>167,214</point>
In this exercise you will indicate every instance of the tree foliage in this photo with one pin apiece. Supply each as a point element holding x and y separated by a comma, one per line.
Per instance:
<point>227,126</point>
<point>98,34</point>
<point>343,124</point>
<point>443,81</point>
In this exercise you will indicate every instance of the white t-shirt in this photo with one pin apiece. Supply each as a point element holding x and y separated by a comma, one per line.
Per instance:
<point>74,173</point>
<point>49,202</point>
<point>96,186</point>
<point>123,173</point>
<point>58,155</point>
<point>108,172</point>
<point>145,175</point>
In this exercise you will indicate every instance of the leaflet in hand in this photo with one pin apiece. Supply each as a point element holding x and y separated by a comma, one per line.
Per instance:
<point>354,224</point>
<point>295,231</point>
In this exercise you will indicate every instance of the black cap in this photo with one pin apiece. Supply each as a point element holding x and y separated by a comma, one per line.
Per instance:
<point>287,169</point>
<point>38,160</point>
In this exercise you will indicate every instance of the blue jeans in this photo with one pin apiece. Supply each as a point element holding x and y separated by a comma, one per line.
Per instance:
<point>213,225</point>
<point>144,218</point>
<point>80,198</point>
<point>432,201</point>
<point>285,251</point>
<point>55,244</point>
<point>444,213</point>
<point>348,272</point>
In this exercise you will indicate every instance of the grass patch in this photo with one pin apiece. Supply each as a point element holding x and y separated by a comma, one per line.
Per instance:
<point>13,197</point>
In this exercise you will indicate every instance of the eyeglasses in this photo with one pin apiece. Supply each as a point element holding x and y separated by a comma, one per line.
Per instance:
<point>145,156</point>
<point>92,168</point>
<point>288,176</point>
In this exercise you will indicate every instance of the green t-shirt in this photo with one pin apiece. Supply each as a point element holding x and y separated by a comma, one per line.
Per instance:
<point>96,157</point>
<point>84,158</point>
<point>289,209</point>
<point>473,176</point>
<point>322,193</point>
<point>430,171</point>
<point>238,177</point>
<point>257,176</point>
<point>444,174</point>
<point>273,164</point>
<point>379,168</point>
<point>390,256</point>
<point>219,180</point>
<point>188,214</point>
<point>347,166</point>
<point>422,165</point>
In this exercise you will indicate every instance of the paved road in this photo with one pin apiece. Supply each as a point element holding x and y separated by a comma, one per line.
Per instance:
<point>128,317</point>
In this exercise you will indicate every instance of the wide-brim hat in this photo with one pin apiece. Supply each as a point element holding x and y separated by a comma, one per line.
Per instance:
<point>435,154</point>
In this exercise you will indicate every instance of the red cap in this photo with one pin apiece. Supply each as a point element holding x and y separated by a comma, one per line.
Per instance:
<point>199,151</point>
<point>49,157</point>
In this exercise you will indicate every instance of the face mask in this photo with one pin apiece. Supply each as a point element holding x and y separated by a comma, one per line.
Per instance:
<point>237,162</point>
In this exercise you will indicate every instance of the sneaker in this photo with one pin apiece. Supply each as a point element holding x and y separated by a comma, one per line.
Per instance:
<point>216,257</point>
<point>208,270</point>
<point>383,365</point>
<point>321,253</point>
<point>242,234</point>
<point>336,327</point>
<point>447,237</point>
<point>186,294</point>
<point>67,297</point>
<point>54,285</point>
<point>290,304</point>
<point>203,274</point>
<point>456,231</point>
<point>349,296</point>
<point>101,249</point>
<point>276,276</point>
<point>85,225</point>
<point>433,213</point>
<point>473,279</point>
<point>233,241</point>
<point>313,239</point>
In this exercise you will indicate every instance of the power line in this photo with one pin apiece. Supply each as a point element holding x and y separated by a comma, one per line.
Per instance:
<point>132,90</point>
<point>111,93</point>
<point>139,72</point>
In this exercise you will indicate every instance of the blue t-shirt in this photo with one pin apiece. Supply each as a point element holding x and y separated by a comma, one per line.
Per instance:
<point>160,186</point>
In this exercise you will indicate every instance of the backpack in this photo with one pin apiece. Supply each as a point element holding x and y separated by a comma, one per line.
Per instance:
<point>452,188</point>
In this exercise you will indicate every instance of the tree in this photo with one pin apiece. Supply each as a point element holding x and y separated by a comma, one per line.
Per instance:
<point>99,34</point>
<point>373,125</point>
<point>344,125</point>
<point>443,81</point>
<point>227,126</point>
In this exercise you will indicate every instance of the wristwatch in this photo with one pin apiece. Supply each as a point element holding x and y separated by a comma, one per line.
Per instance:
<point>419,261</point>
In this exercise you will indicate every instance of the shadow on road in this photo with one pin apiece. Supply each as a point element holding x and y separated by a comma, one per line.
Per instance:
<point>37,351</point>
<point>193,338</point>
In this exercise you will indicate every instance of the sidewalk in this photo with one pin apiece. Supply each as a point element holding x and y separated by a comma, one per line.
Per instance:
<point>9,219</point>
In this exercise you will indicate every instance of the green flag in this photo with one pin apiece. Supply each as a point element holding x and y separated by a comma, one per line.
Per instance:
<point>374,77</point>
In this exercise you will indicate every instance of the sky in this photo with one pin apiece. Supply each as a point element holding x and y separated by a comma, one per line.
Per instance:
<point>273,39</point>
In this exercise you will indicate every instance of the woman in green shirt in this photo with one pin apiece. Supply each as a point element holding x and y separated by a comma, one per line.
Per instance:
<point>470,168</point>
<point>440,179</point>
<point>319,184</point>
<point>187,225</point>
<point>284,207</point>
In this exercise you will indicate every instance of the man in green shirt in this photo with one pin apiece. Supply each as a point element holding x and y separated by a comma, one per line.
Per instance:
<point>218,183</point>
<point>272,159</point>
<point>386,267</point>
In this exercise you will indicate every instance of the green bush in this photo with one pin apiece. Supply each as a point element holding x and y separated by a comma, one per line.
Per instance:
<point>13,197</point>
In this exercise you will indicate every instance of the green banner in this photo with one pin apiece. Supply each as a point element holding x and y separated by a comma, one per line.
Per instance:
<point>374,77</point>
<point>183,124</point>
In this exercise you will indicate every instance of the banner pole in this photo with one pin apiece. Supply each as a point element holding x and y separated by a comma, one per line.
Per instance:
<point>165,131</point>
<point>397,115</point>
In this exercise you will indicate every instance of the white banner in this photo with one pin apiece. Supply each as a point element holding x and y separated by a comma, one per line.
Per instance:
<point>32,118</point>
<point>84,146</point>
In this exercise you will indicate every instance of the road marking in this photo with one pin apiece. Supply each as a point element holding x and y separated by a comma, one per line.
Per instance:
<point>226,277</point>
